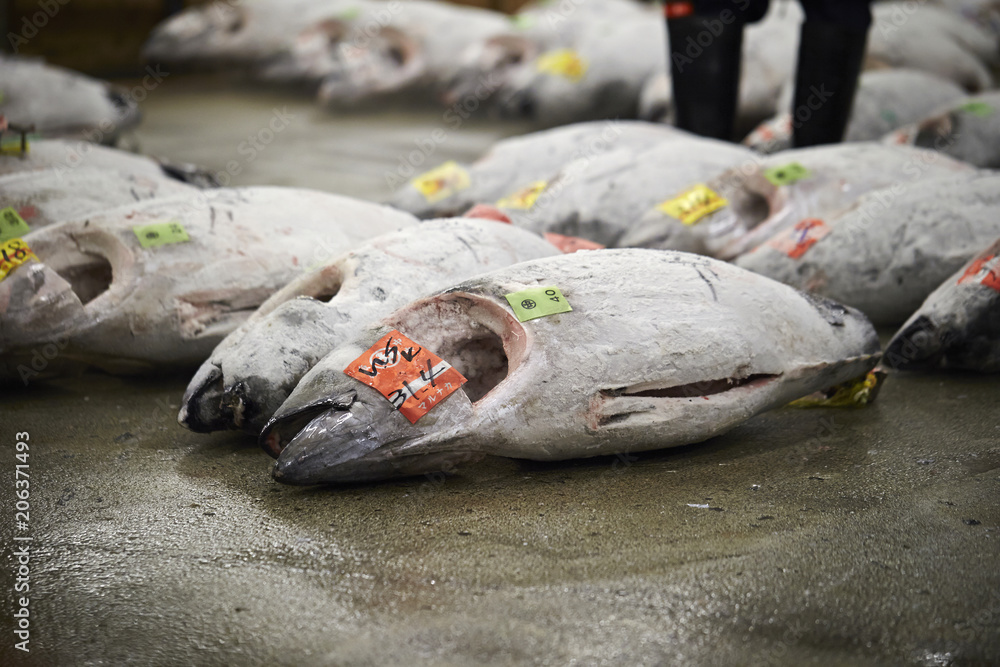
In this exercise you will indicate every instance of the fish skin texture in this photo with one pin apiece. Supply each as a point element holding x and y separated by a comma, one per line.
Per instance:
<point>169,306</point>
<point>957,327</point>
<point>894,247</point>
<point>256,367</point>
<point>594,381</point>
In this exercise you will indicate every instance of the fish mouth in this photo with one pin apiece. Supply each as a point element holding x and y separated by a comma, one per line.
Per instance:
<point>201,408</point>
<point>346,440</point>
<point>333,429</point>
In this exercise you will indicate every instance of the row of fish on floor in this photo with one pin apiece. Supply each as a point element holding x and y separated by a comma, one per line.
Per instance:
<point>358,342</point>
<point>553,62</point>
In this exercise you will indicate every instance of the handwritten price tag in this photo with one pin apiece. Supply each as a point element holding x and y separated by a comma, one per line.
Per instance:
<point>12,225</point>
<point>530,304</point>
<point>524,199</point>
<point>797,240</point>
<point>692,205</point>
<point>787,174</point>
<point>163,233</point>
<point>985,270</point>
<point>13,253</point>
<point>442,182</point>
<point>412,378</point>
<point>566,63</point>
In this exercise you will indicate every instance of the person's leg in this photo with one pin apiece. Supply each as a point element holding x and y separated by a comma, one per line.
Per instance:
<point>706,42</point>
<point>831,52</point>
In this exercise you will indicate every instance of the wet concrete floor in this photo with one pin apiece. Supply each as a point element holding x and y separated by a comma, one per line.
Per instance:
<point>829,537</point>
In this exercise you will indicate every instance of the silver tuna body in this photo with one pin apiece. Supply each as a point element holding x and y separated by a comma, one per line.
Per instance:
<point>660,349</point>
<point>112,303</point>
<point>251,373</point>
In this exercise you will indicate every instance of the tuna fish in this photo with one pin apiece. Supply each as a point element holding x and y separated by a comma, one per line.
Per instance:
<point>596,198</point>
<point>601,76</point>
<point>885,101</point>
<point>254,370</point>
<point>158,284</point>
<point>660,349</point>
<point>537,28</point>
<point>968,130</point>
<point>62,157</point>
<point>241,35</point>
<point>60,103</point>
<point>887,254</point>
<point>750,204</point>
<point>958,326</point>
<point>520,162</point>
<point>932,39</point>
<point>388,48</point>
<point>48,196</point>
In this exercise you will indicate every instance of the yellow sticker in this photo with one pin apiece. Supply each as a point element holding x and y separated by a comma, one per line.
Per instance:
<point>13,253</point>
<point>692,205</point>
<point>14,146</point>
<point>566,63</point>
<point>442,182</point>
<point>857,393</point>
<point>163,233</point>
<point>525,198</point>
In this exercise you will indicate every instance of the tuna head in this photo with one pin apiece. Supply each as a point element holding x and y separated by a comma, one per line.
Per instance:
<point>352,68</point>
<point>659,349</point>
<point>58,294</point>
<point>707,219</point>
<point>487,65</point>
<point>254,369</point>
<point>206,32</point>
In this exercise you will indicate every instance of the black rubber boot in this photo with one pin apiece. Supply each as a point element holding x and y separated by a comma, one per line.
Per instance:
<point>826,78</point>
<point>705,73</point>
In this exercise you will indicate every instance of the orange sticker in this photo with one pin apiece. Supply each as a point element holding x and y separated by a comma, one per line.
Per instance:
<point>412,378</point>
<point>984,271</point>
<point>800,238</point>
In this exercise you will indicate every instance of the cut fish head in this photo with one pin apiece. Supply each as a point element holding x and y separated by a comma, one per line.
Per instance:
<point>614,374</point>
<point>198,32</point>
<point>353,69</point>
<point>750,200</point>
<point>487,65</point>
<point>77,276</point>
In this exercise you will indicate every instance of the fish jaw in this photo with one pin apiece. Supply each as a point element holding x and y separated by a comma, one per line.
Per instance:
<point>246,380</point>
<point>316,443</point>
<point>364,442</point>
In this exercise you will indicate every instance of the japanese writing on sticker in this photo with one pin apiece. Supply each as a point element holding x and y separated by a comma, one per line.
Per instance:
<point>12,225</point>
<point>163,233</point>
<point>797,240</point>
<point>786,174</point>
<point>530,304</point>
<point>694,204</point>
<point>13,253</point>
<point>985,270</point>
<point>411,377</point>
<point>442,182</point>
<point>566,63</point>
<point>525,198</point>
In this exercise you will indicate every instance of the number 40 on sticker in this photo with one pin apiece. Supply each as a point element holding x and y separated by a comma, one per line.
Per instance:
<point>537,302</point>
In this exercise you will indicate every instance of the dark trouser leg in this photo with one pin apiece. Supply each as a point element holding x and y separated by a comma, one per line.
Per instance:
<point>706,44</point>
<point>831,52</point>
